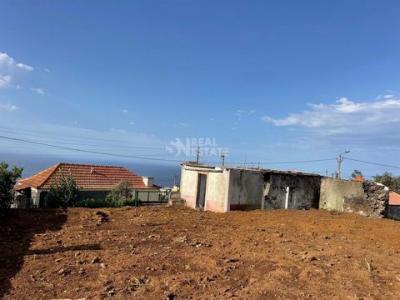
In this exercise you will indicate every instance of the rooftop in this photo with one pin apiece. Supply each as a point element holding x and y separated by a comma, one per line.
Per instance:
<point>87,177</point>
<point>262,170</point>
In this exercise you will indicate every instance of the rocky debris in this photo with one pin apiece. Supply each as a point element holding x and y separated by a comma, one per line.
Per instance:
<point>231,260</point>
<point>201,244</point>
<point>96,260</point>
<point>171,296</point>
<point>63,272</point>
<point>102,217</point>
<point>374,202</point>
<point>103,265</point>
<point>181,239</point>
<point>377,198</point>
<point>135,283</point>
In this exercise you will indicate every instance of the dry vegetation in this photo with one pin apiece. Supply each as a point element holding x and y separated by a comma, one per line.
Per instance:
<point>178,253</point>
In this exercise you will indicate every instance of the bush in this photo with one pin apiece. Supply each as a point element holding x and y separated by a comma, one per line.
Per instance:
<point>63,193</point>
<point>98,203</point>
<point>8,179</point>
<point>121,195</point>
<point>93,203</point>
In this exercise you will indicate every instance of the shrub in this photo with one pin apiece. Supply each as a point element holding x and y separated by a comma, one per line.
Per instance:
<point>8,179</point>
<point>119,195</point>
<point>64,193</point>
<point>93,203</point>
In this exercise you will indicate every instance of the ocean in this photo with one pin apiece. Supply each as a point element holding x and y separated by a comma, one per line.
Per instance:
<point>164,174</point>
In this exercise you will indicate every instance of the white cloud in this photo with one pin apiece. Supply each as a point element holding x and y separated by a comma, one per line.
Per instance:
<point>8,68</point>
<point>5,59</point>
<point>5,81</point>
<point>39,91</point>
<point>24,67</point>
<point>345,116</point>
<point>7,62</point>
<point>8,107</point>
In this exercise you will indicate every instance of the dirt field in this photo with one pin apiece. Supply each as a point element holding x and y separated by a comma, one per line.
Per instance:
<point>178,253</point>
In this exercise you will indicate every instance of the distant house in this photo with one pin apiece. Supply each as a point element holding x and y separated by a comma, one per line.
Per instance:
<point>94,182</point>
<point>393,209</point>
<point>224,189</point>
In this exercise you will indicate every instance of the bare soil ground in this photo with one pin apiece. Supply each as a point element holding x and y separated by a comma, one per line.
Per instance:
<point>178,253</point>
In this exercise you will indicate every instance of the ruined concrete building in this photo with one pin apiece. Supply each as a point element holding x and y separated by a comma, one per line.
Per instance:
<point>223,189</point>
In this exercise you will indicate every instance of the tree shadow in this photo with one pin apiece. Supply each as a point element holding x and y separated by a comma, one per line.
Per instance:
<point>17,228</point>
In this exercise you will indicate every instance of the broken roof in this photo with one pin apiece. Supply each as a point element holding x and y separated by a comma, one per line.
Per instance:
<point>262,170</point>
<point>87,177</point>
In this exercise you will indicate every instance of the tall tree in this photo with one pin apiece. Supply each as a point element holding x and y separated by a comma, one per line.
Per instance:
<point>8,179</point>
<point>390,180</point>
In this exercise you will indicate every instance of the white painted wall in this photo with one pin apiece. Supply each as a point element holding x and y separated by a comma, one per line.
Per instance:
<point>217,191</point>
<point>35,196</point>
<point>189,186</point>
<point>216,197</point>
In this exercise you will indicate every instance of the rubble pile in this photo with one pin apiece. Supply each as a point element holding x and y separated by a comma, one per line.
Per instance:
<point>376,197</point>
<point>372,204</point>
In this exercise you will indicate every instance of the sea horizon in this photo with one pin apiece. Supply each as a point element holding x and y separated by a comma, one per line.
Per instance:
<point>163,174</point>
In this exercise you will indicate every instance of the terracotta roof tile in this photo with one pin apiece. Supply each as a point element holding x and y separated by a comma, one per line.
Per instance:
<point>88,177</point>
<point>394,198</point>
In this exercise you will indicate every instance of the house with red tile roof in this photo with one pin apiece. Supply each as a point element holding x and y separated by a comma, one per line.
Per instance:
<point>94,182</point>
<point>393,210</point>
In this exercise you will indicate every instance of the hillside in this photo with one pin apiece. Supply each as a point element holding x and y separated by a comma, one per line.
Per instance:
<point>178,253</point>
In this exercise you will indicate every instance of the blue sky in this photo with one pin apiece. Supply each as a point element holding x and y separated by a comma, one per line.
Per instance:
<point>269,81</point>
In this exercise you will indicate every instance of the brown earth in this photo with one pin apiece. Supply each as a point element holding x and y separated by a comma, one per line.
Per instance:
<point>178,253</point>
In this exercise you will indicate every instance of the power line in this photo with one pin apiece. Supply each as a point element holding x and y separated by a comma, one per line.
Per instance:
<point>373,163</point>
<point>148,157</point>
<point>277,162</point>
<point>75,139</point>
<point>85,151</point>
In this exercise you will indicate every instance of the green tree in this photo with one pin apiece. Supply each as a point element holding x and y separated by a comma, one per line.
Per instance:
<point>390,180</point>
<point>8,179</point>
<point>356,173</point>
<point>63,193</point>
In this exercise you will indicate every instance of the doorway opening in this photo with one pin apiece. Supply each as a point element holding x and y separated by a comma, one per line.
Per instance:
<point>201,191</point>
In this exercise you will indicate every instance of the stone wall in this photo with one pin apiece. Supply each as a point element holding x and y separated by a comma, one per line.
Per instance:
<point>376,198</point>
<point>365,198</point>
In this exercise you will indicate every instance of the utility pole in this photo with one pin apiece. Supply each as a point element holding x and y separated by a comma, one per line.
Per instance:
<point>223,159</point>
<point>339,161</point>
<point>198,155</point>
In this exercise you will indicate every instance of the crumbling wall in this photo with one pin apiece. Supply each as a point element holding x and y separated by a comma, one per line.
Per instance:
<point>335,192</point>
<point>365,198</point>
<point>245,189</point>
<point>374,202</point>
<point>302,191</point>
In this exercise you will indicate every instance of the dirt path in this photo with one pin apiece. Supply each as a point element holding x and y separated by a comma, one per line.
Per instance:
<point>163,253</point>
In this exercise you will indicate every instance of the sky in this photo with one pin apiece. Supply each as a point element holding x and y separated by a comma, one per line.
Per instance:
<point>283,84</point>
